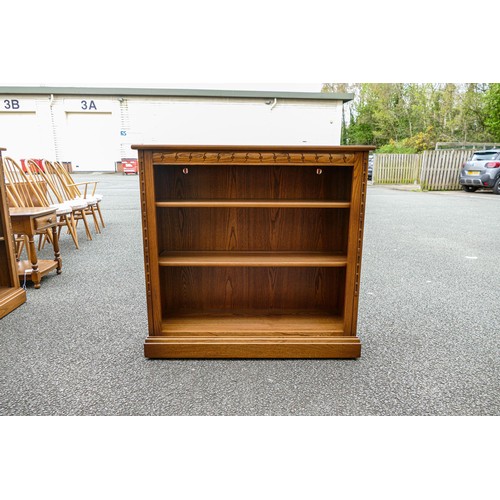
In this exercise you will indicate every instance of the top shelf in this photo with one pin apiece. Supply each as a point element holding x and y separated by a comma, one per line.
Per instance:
<point>252,204</point>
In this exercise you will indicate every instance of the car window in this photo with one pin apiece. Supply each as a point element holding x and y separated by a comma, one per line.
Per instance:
<point>485,156</point>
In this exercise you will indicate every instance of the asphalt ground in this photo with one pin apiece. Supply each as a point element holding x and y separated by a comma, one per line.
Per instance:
<point>429,323</point>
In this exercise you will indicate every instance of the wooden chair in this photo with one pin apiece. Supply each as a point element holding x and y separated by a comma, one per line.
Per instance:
<point>23,190</point>
<point>42,184</point>
<point>65,193</point>
<point>88,194</point>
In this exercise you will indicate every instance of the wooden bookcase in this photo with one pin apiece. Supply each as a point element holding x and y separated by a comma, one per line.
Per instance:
<point>11,294</point>
<point>252,252</point>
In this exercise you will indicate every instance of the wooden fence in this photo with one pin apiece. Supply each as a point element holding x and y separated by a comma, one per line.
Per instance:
<point>396,168</point>
<point>440,169</point>
<point>433,170</point>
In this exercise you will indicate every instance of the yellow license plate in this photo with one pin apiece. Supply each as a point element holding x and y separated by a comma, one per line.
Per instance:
<point>472,172</point>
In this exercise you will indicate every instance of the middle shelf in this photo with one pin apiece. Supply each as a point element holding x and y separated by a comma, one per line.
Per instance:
<point>252,259</point>
<point>252,204</point>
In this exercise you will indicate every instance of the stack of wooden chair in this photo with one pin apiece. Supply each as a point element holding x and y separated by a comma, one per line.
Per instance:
<point>51,185</point>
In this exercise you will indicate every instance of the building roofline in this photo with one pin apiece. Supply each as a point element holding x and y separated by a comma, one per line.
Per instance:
<point>157,92</point>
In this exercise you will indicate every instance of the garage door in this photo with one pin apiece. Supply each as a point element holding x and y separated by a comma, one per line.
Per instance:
<point>90,142</point>
<point>20,135</point>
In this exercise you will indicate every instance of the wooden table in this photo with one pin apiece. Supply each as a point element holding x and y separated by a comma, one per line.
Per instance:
<point>30,221</point>
<point>11,294</point>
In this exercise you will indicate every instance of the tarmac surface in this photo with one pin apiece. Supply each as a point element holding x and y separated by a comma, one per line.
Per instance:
<point>429,323</point>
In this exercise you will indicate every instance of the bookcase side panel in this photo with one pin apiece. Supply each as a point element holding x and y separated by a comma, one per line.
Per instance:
<point>8,271</point>
<point>355,239</point>
<point>361,226</point>
<point>150,241</point>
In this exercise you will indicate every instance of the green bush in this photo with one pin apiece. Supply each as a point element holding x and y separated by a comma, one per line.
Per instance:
<point>399,147</point>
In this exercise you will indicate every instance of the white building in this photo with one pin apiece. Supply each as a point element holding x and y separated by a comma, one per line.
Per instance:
<point>93,128</point>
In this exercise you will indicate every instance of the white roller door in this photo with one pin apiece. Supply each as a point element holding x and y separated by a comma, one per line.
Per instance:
<point>90,141</point>
<point>20,135</point>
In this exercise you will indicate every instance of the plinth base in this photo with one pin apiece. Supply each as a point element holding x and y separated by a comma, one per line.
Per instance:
<point>252,347</point>
<point>10,298</point>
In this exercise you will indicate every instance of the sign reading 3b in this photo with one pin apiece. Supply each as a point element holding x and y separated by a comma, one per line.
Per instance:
<point>16,104</point>
<point>11,103</point>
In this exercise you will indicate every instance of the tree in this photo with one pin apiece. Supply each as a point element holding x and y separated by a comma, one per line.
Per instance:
<point>416,116</point>
<point>472,113</point>
<point>492,110</point>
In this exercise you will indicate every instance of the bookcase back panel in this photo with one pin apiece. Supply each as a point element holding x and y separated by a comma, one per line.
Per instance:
<point>252,182</point>
<point>253,229</point>
<point>270,289</point>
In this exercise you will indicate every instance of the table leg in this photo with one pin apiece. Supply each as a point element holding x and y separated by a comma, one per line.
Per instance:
<point>35,274</point>
<point>57,253</point>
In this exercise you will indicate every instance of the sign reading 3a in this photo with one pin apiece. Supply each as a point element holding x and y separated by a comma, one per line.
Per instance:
<point>87,104</point>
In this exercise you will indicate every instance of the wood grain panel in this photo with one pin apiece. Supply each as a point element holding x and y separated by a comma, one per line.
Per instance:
<point>252,204</point>
<point>241,323</point>
<point>10,298</point>
<point>249,230</point>
<point>11,295</point>
<point>150,234</point>
<point>252,259</point>
<point>355,240</point>
<point>270,290</point>
<point>5,273</point>
<point>253,182</point>
<point>248,157</point>
<point>252,347</point>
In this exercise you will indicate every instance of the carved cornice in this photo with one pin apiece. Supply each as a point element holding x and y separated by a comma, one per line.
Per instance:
<point>252,158</point>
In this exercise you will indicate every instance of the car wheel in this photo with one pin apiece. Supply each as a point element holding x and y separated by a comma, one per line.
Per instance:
<point>496,187</point>
<point>469,189</point>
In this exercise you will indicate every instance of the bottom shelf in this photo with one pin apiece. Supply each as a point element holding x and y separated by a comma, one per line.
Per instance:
<point>25,270</point>
<point>44,267</point>
<point>244,324</point>
<point>245,335</point>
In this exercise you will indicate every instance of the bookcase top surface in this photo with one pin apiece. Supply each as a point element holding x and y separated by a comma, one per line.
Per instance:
<point>226,147</point>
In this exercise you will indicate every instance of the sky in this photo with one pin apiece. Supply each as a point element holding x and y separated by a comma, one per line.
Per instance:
<point>291,87</point>
<point>266,46</point>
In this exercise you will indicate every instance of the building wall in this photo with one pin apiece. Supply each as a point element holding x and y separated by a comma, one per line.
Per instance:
<point>94,132</point>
